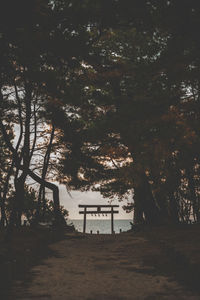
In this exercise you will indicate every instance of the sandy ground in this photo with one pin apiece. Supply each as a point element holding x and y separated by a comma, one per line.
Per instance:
<point>103,267</point>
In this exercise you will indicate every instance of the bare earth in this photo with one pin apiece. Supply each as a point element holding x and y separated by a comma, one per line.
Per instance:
<point>103,267</point>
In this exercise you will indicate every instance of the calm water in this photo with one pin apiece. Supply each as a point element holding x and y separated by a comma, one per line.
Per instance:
<point>104,226</point>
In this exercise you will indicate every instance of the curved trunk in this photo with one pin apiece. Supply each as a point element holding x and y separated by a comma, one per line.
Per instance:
<point>59,219</point>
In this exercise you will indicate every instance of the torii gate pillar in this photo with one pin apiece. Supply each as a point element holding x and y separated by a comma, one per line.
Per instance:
<point>112,220</point>
<point>84,221</point>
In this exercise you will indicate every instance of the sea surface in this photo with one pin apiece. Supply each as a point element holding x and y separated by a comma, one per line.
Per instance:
<point>103,226</point>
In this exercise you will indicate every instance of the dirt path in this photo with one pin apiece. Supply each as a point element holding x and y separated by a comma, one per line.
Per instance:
<point>103,267</point>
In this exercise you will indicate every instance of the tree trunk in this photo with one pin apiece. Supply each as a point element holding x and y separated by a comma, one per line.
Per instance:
<point>138,210</point>
<point>19,198</point>
<point>4,196</point>
<point>3,214</point>
<point>41,196</point>
<point>194,199</point>
<point>173,209</point>
<point>44,204</point>
<point>146,202</point>
<point>25,158</point>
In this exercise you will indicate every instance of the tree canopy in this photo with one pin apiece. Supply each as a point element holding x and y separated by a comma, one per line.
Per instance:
<point>101,95</point>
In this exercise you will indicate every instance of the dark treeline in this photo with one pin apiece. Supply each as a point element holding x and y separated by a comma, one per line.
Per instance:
<point>100,95</point>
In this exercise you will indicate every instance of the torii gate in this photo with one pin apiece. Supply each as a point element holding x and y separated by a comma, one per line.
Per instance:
<point>98,210</point>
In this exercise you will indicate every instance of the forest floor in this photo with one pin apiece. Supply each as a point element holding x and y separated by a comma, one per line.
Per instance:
<point>152,264</point>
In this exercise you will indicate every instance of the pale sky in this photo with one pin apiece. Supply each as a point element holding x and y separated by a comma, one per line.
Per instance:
<point>71,204</point>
